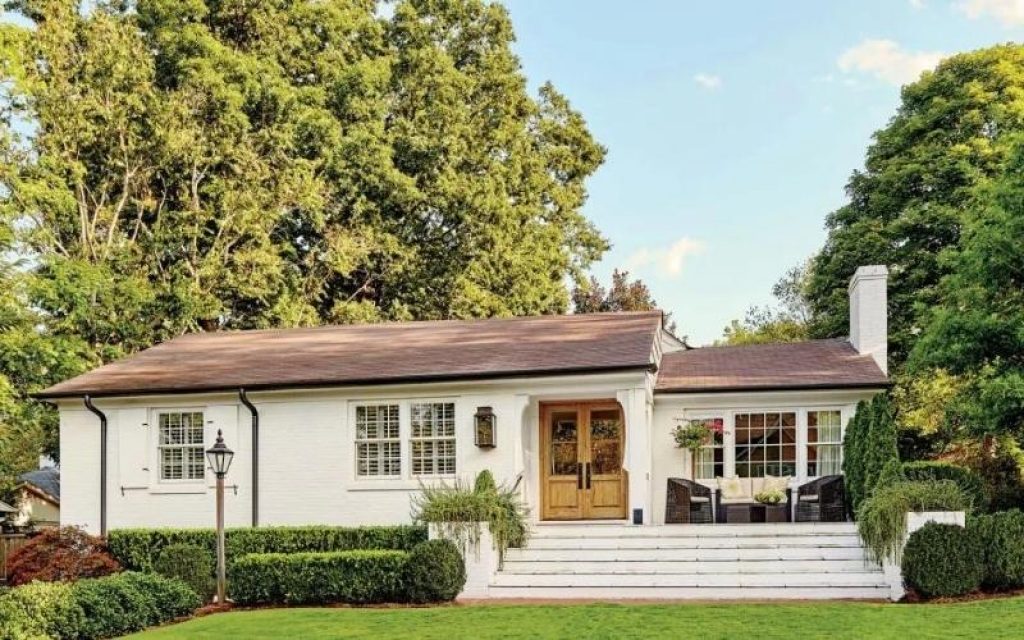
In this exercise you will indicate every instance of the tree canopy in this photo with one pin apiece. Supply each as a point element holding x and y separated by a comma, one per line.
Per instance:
<point>951,132</point>
<point>172,166</point>
<point>786,322</point>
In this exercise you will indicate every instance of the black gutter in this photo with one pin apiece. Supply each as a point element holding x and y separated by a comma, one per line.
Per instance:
<point>103,463</point>
<point>364,382</point>
<point>790,387</point>
<point>255,455</point>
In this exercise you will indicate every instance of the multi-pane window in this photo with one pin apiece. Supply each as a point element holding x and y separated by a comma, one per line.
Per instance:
<point>765,444</point>
<point>378,447</point>
<point>432,438</point>
<point>709,463</point>
<point>181,445</point>
<point>824,443</point>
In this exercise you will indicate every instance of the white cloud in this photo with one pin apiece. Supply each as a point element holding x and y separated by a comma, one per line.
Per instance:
<point>917,4</point>
<point>668,260</point>
<point>888,61</point>
<point>1010,13</point>
<point>708,81</point>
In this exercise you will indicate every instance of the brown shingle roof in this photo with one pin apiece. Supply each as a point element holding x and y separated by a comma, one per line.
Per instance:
<point>378,354</point>
<point>795,365</point>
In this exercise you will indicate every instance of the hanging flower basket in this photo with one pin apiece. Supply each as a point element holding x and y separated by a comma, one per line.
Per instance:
<point>694,434</point>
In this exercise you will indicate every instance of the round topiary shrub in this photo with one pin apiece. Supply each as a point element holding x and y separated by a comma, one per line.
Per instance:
<point>189,563</point>
<point>942,560</point>
<point>434,572</point>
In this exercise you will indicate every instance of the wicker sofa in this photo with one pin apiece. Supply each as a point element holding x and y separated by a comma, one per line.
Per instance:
<point>741,491</point>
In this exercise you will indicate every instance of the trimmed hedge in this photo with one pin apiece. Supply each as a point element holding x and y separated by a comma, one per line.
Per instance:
<point>191,564</point>
<point>942,560</point>
<point>93,608</point>
<point>435,572</point>
<point>1002,541</point>
<point>966,479</point>
<point>352,577</point>
<point>138,549</point>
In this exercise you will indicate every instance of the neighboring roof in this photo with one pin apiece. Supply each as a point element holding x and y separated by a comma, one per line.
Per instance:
<point>46,481</point>
<point>379,354</point>
<point>6,508</point>
<point>816,364</point>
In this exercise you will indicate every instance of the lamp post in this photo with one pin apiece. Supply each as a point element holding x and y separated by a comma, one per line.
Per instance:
<point>219,457</point>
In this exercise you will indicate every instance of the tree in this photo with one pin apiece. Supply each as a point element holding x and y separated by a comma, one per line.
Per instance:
<point>182,166</point>
<point>976,331</point>
<point>787,322</point>
<point>950,133</point>
<point>623,295</point>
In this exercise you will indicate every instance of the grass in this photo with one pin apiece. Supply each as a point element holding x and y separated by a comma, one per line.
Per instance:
<point>1001,618</point>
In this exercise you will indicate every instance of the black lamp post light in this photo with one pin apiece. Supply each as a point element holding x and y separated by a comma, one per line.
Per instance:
<point>219,457</point>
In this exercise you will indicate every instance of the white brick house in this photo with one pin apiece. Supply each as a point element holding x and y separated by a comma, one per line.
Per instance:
<point>339,425</point>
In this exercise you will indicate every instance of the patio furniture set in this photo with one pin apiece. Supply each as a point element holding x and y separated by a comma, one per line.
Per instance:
<point>733,501</point>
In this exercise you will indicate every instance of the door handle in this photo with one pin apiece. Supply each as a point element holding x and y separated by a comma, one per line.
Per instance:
<point>579,475</point>
<point>588,471</point>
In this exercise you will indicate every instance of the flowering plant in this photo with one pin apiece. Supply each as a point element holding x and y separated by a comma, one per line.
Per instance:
<point>694,434</point>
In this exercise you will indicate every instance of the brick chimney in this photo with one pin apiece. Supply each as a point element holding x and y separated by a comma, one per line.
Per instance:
<point>869,330</point>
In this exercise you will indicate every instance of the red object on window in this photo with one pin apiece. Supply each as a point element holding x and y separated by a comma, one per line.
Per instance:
<point>717,425</point>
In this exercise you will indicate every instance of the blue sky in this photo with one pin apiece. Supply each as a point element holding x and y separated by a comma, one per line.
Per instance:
<point>732,126</point>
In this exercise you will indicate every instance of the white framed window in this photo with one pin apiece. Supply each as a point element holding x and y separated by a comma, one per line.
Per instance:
<point>432,438</point>
<point>824,443</point>
<point>765,443</point>
<point>378,441</point>
<point>709,463</point>
<point>180,451</point>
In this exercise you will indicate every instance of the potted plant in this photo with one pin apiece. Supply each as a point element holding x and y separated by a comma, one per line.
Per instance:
<point>770,498</point>
<point>694,434</point>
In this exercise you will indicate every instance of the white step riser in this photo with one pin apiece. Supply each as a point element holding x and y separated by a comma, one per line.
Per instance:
<point>746,542</point>
<point>775,580</point>
<point>682,593</point>
<point>692,531</point>
<point>688,567</point>
<point>601,555</point>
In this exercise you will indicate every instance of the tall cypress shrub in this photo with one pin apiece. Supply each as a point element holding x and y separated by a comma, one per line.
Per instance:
<point>868,447</point>
<point>853,455</point>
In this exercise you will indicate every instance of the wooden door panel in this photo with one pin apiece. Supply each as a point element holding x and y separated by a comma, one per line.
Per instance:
<point>589,439</point>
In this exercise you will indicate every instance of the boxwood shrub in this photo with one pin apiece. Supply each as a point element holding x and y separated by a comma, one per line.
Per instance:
<point>353,577</point>
<point>138,549</point>
<point>93,608</point>
<point>191,564</point>
<point>435,572</point>
<point>1002,541</point>
<point>942,560</point>
<point>968,480</point>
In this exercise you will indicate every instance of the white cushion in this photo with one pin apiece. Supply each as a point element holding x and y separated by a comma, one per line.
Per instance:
<point>737,500</point>
<point>809,498</point>
<point>698,499</point>
<point>773,483</point>
<point>732,488</point>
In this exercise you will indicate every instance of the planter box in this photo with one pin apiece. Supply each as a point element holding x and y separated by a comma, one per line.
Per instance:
<point>481,562</point>
<point>916,520</point>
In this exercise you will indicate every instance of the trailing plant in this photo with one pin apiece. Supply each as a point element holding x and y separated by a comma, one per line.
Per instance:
<point>457,510</point>
<point>138,549</point>
<point>353,577</point>
<point>189,563</point>
<point>881,519</point>
<point>965,478</point>
<point>434,572</point>
<point>61,554</point>
<point>1002,542</point>
<point>942,560</point>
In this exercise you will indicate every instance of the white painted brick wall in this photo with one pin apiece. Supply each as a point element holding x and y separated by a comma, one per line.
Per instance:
<point>869,330</point>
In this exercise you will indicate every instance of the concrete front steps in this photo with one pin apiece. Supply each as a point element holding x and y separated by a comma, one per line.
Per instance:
<point>735,562</point>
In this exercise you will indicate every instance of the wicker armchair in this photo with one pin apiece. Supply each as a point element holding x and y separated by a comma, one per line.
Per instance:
<point>687,502</point>
<point>822,500</point>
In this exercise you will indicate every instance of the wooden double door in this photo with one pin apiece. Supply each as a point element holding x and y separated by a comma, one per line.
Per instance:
<point>582,445</point>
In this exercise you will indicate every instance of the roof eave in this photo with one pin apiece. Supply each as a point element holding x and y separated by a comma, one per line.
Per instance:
<point>829,386</point>
<point>370,382</point>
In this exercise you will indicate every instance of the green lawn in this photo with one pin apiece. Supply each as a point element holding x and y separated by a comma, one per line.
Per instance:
<point>987,619</point>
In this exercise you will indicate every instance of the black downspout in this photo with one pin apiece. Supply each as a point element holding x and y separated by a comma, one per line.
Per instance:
<point>103,463</point>
<point>255,456</point>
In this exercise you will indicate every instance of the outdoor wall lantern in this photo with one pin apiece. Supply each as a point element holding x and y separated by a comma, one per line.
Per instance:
<point>485,421</point>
